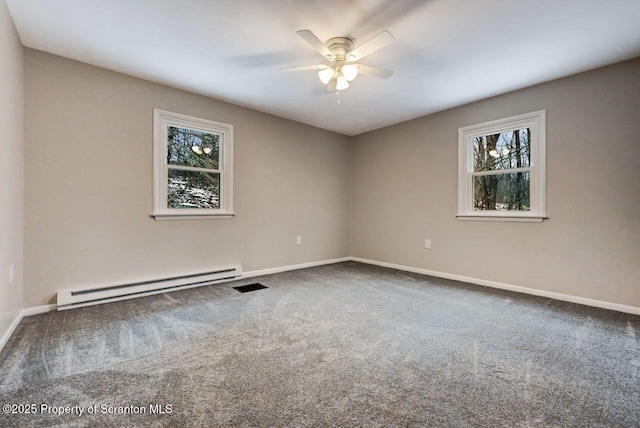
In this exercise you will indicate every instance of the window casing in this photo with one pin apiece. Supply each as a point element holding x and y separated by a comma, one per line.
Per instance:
<point>192,167</point>
<point>501,171</point>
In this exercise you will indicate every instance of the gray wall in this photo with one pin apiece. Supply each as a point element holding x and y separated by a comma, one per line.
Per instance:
<point>404,189</point>
<point>88,185</point>
<point>377,196</point>
<point>11,175</point>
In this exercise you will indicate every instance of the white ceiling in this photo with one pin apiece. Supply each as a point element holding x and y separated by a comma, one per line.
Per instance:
<point>446,53</point>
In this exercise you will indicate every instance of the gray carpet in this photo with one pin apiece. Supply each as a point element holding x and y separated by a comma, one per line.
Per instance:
<point>345,345</point>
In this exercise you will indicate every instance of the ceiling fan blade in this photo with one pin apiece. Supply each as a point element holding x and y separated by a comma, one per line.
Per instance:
<point>370,46</point>
<point>382,73</point>
<point>306,67</point>
<point>315,43</point>
<point>331,86</point>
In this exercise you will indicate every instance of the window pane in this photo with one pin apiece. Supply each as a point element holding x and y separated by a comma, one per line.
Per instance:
<point>506,150</point>
<point>501,192</point>
<point>190,189</point>
<point>189,147</point>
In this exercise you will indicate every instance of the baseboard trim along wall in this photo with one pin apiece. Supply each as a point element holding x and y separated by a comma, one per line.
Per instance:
<point>23,313</point>
<point>280,269</point>
<point>518,289</point>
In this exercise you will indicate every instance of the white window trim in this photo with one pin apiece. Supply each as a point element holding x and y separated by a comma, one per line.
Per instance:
<point>537,122</point>
<point>162,119</point>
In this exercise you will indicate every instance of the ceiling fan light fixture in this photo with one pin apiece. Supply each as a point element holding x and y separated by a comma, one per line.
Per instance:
<point>350,71</point>
<point>326,74</point>
<point>342,83</point>
<point>342,57</point>
<point>196,149</point>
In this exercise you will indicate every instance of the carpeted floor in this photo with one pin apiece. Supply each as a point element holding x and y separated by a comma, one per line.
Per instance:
<point>345,345</point>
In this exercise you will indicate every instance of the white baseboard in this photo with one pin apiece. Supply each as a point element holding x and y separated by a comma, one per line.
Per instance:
<point>7,334</point>
<point>23,313</point>
<point>35,310</point>
<point>280,269</point>
<point>518,289</point>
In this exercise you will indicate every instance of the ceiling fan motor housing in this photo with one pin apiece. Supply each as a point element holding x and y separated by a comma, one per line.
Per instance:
<point>339,47</point>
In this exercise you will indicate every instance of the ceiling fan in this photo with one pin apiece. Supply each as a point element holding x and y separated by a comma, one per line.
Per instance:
<point>343,59</point>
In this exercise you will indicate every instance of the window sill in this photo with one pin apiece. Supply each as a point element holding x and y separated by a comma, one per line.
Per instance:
<point>522,219</point>
<point>191,216</point>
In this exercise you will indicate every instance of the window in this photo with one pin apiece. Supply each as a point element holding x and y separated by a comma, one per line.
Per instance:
<point>192,167</point>
<point>501,172</point>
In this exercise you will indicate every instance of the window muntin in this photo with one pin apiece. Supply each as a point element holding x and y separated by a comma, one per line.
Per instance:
<point>192,167</point>
<point>501,169</point>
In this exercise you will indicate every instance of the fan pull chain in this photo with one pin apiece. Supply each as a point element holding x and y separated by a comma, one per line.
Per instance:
<point>338,97</point>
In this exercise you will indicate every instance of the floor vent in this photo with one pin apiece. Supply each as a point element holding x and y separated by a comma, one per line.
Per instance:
<point>249,287</point>
<point>113,293</point>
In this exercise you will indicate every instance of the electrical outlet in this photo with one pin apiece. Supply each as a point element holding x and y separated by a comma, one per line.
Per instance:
<point>298,240</point>
<point>11,274</point>
<point>427,243</point>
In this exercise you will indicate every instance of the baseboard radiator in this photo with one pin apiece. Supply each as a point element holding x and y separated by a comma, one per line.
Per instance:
<point>95,296</point>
